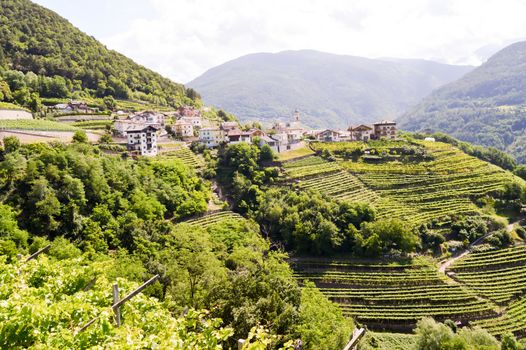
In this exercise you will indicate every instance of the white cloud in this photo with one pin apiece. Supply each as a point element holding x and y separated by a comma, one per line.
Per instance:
<point>186,37</point>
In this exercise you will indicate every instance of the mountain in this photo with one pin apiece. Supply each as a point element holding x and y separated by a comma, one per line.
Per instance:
<point>329,90</point>
<point>485,107</point>
<point>35,39</point>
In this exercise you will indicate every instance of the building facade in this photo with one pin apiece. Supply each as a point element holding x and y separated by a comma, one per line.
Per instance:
<point>361,132</point>
<point>143,140</point>
<point>385,129</point>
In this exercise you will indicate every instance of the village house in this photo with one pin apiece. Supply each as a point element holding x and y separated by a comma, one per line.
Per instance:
<point>137,120</point>
<point>211,137</point>
<point>328,136</point>
<point>75,107</point>
<point>269,141</point>
<point>142,139</point>
<point>188,111</point>
<point>385,129</point>
<point>288,135</point>
<point>184,128</point>
<point>361,132</point>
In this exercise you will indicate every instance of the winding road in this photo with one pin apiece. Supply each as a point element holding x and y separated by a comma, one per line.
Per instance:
<point>443,267</point>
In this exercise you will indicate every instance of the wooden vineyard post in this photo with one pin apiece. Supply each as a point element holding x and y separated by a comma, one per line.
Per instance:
<point>36,254</point>
<point>117,310</point>
<point>90,284</point>
<point>118,303</point>
<point>240,344</point>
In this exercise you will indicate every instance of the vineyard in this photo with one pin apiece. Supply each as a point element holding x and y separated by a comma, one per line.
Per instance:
<point>394,297</point>
<point>445,184</point>
<point>48,304</point>
<point>499,276</point>
<point>211,219</point>
<point>35,124</point>
<point>186,156</point>
<point>93,124</point>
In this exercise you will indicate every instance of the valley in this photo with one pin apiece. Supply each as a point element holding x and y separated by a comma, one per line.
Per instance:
<point>297,200</point>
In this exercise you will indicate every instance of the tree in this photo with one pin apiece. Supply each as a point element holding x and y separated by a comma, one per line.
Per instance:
<point>321,323</point>
<point>80,136</point>
<point>9,230</point>
<point>11,144</point>
<point>105,139</point>
<point>110,103</point>
<point>510,343</point>
<point>266,153</point>
<point>388,235</point>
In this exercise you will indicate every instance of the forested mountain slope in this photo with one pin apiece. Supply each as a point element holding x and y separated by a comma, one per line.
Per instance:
<point>486,106</point>
<point>329,90</point>
<point>35,39</point>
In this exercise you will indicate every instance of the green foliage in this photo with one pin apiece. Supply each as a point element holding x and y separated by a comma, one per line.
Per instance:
<point>437,336</point>
<point>80,137</point>
<point>322,325</point>
<point>386,236</point>
<point>44,306</point>
<point>9,230</point>
<point>310,223</point>
<point>35,124</point>
<point>485,107</point>
<point>488,154</point>
<point>102,201</point>
<point>51,58</point>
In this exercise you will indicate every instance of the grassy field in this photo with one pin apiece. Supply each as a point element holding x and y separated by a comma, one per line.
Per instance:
<point>300,152</point>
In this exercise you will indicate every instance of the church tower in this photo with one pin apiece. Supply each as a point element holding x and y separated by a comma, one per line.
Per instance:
<point>296,116</point>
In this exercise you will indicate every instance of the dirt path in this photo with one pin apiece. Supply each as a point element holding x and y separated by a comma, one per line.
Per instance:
<point>443,267</point>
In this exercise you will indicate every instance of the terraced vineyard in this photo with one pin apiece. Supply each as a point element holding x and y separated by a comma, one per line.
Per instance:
<point>93,124</point>
<point>210,219</point>
<point>500,276</point>
<point>394,297</point>
<point>415,191</point>
<point>329,178</point>
<point>186,156</point>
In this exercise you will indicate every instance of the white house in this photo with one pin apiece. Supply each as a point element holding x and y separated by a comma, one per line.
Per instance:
<point>328,135</point>
<point>211,137</point>
<point>143,139</point>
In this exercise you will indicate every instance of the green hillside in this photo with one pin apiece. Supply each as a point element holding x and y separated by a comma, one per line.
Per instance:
<point>485,107</point>
<point>329,90</point>
<point>395,232</point>
<point>42,53</point>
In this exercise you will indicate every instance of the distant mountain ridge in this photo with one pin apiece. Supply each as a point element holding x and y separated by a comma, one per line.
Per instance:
<point>487,106</point>
<point>329,90</point>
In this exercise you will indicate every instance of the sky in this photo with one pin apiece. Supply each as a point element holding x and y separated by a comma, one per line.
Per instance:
<point>181,39</point>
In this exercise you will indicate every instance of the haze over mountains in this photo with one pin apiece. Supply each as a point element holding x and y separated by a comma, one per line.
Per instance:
<point>486,106</point>
<point>329,90</point>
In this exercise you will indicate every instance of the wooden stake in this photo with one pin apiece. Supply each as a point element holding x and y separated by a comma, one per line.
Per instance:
<point>117,310</point>
<point>90,284</point>
<point>119,303</point>
<point>135,292</point>
<point>34,255</point>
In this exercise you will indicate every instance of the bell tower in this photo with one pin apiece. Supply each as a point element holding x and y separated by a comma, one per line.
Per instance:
<point>296,116</point>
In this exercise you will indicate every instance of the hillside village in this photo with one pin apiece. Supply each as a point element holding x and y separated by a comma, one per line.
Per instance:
<point>144,131</point>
